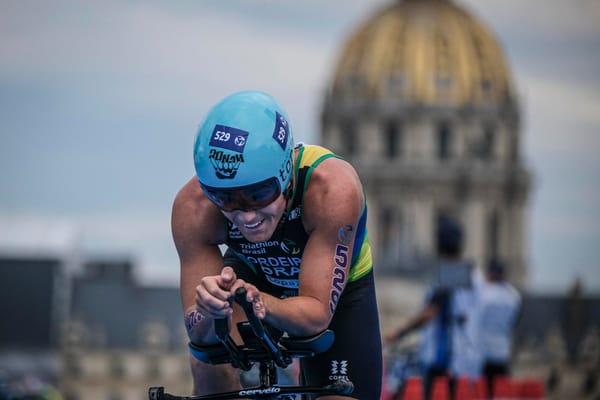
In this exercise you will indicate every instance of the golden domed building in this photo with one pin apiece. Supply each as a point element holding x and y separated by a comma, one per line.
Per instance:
<point>422,103</point>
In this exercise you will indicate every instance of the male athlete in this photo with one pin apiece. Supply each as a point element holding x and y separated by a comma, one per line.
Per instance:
<point>293,220</point>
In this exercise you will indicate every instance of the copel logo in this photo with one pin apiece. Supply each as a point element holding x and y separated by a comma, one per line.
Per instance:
<point>339,370</point>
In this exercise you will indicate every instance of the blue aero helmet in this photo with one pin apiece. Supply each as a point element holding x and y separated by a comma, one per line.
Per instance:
<point>244,140</point>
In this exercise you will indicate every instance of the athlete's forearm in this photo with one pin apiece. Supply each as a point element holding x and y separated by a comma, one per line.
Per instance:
<point>200,329</point>
<point>298,316</point>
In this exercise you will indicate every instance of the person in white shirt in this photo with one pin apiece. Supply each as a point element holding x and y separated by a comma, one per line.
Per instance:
<point>499,310</point>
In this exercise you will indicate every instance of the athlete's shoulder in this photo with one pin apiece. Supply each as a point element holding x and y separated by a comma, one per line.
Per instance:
<point>189,197</point>
<point>194,215</point>
<point>312,155</point>
<point>333,189</point>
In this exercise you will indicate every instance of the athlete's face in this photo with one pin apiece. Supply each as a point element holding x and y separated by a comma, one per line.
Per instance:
<point>260,224</point>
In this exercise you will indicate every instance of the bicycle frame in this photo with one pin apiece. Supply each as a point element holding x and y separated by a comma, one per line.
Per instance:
<point>269,350</point>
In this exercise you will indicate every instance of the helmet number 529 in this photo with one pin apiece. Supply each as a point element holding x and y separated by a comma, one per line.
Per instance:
<point>222,136</point>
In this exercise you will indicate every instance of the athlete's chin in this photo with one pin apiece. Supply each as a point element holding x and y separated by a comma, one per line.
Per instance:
<point>257,235</point>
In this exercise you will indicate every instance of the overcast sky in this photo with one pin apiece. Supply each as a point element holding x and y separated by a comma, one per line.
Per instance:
<point>100,103</point>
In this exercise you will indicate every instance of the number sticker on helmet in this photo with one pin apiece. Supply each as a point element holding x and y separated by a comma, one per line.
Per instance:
<point>281,132</point>
<point>228,138</point>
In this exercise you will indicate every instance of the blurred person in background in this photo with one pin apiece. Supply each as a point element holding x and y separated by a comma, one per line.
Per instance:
<point>499,309</point>
<point>449,316</point>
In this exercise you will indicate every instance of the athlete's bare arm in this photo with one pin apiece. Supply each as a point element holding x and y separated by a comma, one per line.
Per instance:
<point>198,228</point>
<point>333,201</point>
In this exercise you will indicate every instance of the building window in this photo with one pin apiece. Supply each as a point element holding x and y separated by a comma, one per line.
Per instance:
<point>486,86</point>
<point>153,367</point>
<point>386,223</point>
<point>348,138</point>
<point>356,84</point>
<point>449,233</point>
<point>116,395</point>
<point>73,366</point>
<point>393,140</point>
<point>492,235</point>
<point>513,150</point>
<point>395,85</point>
<point>69,395</point>
<point>443,81</point>
<point>486,147</point>
<point>444,136</point>
<point>117,367</point>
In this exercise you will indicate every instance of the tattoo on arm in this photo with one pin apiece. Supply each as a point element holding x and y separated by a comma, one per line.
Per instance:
<point>341,263</point>
<point>192,319</point>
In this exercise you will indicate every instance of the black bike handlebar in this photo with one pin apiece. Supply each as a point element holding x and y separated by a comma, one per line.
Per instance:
<point>259,330</point>
<point>255,322</point>
<point>264,348</point>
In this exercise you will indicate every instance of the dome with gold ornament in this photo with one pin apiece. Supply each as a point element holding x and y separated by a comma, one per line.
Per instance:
<point>426,53</point>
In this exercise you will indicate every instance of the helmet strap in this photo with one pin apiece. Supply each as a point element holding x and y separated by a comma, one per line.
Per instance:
<point>287,195</point>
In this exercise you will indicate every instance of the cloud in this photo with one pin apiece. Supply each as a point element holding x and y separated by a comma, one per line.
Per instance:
<point>580,225</point>
<point>539,19</point>
<point>562,116</point>
<point>154,59</point>
<point>104,98</point>
<point>32,235</point>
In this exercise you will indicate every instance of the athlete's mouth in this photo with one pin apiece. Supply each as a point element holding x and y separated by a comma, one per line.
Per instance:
<point>254,225</point>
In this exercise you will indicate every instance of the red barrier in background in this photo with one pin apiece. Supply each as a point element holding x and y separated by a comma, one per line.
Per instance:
<point>503,388</point>
<point>413,389</point>
<point>440,389</point>
<point>463,389</point>
<point>531,389</point>
<point>481,389</point>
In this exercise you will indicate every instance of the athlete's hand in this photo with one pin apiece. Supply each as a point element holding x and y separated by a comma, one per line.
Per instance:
<point>253,295</point>
<point>213,292</point>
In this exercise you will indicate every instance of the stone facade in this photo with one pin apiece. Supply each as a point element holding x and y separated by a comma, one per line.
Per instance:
<point>427,147</point>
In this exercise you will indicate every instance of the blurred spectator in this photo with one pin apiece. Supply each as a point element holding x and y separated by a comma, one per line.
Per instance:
<point>449,316</point>
<point>574,321</point>
<point>500,305</point>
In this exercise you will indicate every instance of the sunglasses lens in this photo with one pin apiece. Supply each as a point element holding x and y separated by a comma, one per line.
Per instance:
<point>263,192</point>
<point>250,197</point>
<point>220,198</point>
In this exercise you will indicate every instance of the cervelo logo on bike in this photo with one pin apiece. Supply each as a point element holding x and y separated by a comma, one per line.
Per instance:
<point>252,392</point>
